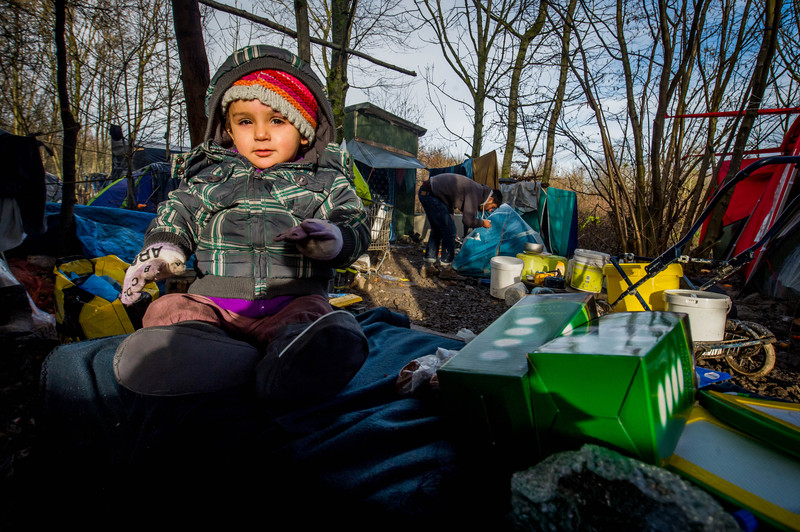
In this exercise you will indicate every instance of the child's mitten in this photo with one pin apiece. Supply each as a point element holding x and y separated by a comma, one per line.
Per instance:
<point>315,238</point>
<point>153,263</point>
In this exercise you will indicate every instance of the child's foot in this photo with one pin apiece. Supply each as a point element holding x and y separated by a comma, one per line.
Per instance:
<point>311,363</point>
<point>190,357</point>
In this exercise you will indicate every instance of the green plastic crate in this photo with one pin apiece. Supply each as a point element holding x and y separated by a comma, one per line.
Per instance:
<point>625,380</point>
<point>484,386</point>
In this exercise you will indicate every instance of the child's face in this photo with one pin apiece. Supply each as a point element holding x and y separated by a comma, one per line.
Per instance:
<point>261,134</point>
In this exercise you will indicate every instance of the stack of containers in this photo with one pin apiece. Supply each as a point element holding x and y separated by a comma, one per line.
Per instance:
<point>485,387</point>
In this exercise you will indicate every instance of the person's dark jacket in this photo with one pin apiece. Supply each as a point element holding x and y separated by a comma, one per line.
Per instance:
<point>228,213</point>
<point>462,193</point>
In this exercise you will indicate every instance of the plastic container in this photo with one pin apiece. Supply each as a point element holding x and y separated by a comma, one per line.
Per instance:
<point>585,270</point>
<point>707,312</point>
<point>505,272</point>
<point>536,260</point>
<point>652,290</point>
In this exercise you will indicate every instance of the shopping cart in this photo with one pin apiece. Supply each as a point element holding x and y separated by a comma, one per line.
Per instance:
<point>380,224</point>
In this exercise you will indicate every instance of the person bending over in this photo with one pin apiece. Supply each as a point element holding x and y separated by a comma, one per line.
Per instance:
<point>440,195</point>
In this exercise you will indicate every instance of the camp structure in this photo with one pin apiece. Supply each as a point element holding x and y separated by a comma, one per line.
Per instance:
<point>550,211</point>
<point>151,184</point>
<point>142,155</point>
<point>384,148</point>
<point>758,202</point>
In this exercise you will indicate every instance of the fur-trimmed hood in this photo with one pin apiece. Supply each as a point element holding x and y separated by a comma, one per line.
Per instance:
<point>264,57</point>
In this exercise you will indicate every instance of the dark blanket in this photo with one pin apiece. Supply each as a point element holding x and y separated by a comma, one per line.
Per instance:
<point>368,459</point>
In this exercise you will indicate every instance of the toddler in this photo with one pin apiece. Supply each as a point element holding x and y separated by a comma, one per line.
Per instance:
<point>268,210</point>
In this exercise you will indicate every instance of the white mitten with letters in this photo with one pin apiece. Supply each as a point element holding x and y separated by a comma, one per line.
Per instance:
<point>153,263</point>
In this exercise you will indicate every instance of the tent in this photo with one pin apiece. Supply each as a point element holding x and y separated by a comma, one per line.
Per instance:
<point>757,203</point>
<point>152,184</point>
<point>550,211</point>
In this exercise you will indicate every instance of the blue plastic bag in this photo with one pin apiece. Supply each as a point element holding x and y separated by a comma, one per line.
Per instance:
<point>506,237</point>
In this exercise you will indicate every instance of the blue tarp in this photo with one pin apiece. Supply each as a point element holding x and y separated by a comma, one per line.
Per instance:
<point>506,237</point>
<point>105,230</point>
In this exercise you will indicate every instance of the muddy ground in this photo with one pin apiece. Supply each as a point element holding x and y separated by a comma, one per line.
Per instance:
<point>449,306</point>
<point>446,307</point>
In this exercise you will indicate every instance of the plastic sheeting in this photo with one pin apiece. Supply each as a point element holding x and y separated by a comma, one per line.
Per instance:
<point>523,195</point>
<point>105,230</point>
<point>380,158</point>
<point>506,237</point>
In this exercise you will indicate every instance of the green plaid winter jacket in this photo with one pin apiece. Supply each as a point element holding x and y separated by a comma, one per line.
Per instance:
<point>228,213</point>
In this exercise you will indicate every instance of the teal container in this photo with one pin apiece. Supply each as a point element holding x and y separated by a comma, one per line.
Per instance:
<point>485,388</point>
<point>625,381</point>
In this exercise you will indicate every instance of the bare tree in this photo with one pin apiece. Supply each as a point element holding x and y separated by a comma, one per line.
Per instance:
<point>474,46</point>
<point>342,18</point>
<point>303,33</point>
<point>757,88</point>
<point>566,23</point>
<point>71,127</point>
<point>524,37</point>
<point>652,51</point>
<point>716,67</point>
<point>194,64</point>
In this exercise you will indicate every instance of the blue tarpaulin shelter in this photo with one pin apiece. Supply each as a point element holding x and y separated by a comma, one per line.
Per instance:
<point>105,230</point>
<point>506,237</point>
<point>152,184</point>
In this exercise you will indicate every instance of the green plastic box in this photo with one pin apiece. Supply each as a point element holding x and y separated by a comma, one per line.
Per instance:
<point>484,387</point>
<point>625,381</point>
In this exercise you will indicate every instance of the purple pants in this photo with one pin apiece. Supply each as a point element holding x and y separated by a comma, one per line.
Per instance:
<point>174,308</point>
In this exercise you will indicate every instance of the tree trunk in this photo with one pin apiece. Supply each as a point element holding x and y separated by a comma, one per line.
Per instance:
<point>194,64</point>
<point>640,188</point>
<point>513,97</point>
<point>341,22</point>
<point>303,36</point>
<point>70,140</point>
<point>766,53</point>
<point>550,143</point>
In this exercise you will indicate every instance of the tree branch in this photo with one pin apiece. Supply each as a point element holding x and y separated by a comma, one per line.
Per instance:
<point>292,33</point>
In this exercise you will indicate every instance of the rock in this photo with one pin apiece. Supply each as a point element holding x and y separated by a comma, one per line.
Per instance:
<point>595,488</point>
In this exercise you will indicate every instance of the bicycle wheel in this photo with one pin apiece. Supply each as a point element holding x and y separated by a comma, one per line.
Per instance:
<point>752,360</point>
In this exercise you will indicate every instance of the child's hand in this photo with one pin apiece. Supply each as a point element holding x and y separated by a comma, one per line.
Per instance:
<point>315,238</point>
<point>154,263</point>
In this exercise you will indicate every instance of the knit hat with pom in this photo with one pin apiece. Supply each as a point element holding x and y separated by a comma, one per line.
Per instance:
<point>283,93</point>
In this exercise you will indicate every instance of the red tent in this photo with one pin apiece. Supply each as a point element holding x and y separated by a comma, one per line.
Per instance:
<point>760,198</point>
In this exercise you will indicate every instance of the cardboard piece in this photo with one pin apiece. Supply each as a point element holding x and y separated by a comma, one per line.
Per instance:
<point>741,469</point>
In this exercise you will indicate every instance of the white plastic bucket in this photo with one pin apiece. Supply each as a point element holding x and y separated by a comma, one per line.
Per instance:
<point>505,272</point>
<point>585,270</point>
<point>707,312</point>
